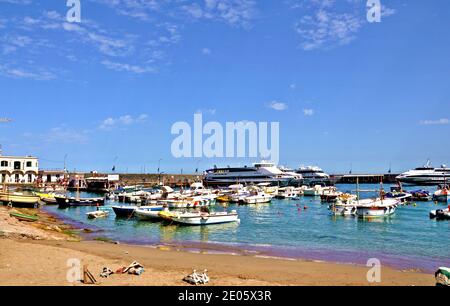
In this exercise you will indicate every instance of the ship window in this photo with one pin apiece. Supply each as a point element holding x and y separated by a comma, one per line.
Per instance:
<point>4,163</point>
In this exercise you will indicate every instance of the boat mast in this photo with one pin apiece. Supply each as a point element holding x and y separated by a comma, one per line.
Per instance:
<point>357,189</point>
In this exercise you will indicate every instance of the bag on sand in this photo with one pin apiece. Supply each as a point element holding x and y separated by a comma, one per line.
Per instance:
<point>442,276</point>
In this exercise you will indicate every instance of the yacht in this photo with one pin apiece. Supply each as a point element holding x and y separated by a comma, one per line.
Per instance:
<point>426,175</point>
<point>313,176</point>
<point>263,172</point>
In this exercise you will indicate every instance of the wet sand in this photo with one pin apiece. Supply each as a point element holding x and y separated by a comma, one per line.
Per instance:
<point>41,258</point>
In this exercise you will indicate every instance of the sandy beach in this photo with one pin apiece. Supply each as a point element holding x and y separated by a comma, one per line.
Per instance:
<point>38,253</point>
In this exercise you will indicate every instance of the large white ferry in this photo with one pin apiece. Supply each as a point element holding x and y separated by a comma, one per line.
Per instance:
<point>263,172</point>
<point>426,175</point>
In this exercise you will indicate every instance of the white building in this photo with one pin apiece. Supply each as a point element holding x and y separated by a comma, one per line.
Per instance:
<point>18,170</point>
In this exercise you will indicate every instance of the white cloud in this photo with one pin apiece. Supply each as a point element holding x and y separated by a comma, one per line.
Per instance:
<point>278,106</point>
<point>22,73</point>
<point>65,135</point>
<point>443,121</point>
<point>308,112</point>
<point>127,67</point>
<point>121,121</point>
<point>232,12</point>
<point>326,24</point>
<point>206,51</point>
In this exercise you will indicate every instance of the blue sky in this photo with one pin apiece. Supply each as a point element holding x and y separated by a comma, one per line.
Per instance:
<point>107,90</point>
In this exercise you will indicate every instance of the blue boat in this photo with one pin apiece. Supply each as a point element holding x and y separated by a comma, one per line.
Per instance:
<point>127,211</point>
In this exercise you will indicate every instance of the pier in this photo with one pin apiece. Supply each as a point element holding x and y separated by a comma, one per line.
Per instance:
<point>364,178</point>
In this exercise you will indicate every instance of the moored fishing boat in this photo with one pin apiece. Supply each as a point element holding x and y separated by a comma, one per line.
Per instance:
<point>440,214</point>
<point>148,213</point>
<point>19,199</point>
<point>258,198</point>
<point>373,208</point>
<point>204,218</point>
<point>97,214</point>
<point>442,195</point>
<point>64,201</point>
<point>340,208</point>
<point>24,217</point>
<point>47,198</point>
<point>401,196</point>
<point>127,211</point>
<point>287,193</point>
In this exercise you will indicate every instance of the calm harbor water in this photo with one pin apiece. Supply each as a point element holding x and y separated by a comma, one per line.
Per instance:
<point>406,240</point>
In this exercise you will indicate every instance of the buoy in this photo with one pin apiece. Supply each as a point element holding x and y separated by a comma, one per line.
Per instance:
<point>306,207</point>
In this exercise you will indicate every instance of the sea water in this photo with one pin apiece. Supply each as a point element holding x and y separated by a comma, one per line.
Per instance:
<point>284,228</point>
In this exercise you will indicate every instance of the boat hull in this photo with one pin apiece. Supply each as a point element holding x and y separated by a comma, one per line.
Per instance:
<point>199,221</point>
<point>19,200</point>
<point>64,202</point>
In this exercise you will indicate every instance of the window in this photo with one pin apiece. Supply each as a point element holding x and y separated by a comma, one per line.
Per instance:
<point>29,164</point>
<point>17,165</point>
<point>4,163</point>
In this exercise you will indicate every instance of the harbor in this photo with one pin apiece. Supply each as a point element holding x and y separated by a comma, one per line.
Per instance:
<point>303,219</point>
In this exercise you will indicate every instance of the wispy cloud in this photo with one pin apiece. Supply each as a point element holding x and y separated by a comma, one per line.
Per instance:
<point>126,120</point>
<point>206,51</point>
<point>325,25</point>
<point>278,106</point>
<point>40,74</point>
<point>308,112</point>
<point>65,135</point>
<point>127,67</point>
<point>232,12</point>
<point>443,121</point>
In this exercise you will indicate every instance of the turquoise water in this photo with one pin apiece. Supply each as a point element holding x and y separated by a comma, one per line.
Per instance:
<point>408,239</point>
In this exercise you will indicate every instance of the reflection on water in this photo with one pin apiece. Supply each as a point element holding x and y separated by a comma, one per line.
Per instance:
<point>300,224</point>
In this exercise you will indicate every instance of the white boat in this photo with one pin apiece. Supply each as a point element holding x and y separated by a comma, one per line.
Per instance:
<point>187,202</point>
<point>372,208</point>
<point>442,195</point>
<point>426,175</point>
<point>128,210</point>
<point>312,175</point>
<point>263,172</point>
<point>258,198</point>
<point>204,218</point>
<point>440,214</point>
<point>287,193</point>
<point>343,209</point>
<point>147,213</point>
<point>97,214</point>
<point>318,190</point>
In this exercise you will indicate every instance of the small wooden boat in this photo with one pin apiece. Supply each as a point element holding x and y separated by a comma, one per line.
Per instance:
<point>65,202</point>
<point>18,199</point>
<point>127,211</point>
<point>370,208</point>
<point>203,218</point>
<point>97,214</point>
<point>258,198</point>
<point>148,213</point>
<point>442,195</point>
<point>47,198</point>
<point>23,217</point>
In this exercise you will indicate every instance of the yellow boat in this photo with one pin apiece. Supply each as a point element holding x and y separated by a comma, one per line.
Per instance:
<point>19,199</point>
<point>166,215</point>
<point>224,199</point>
<point>47,198</point>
